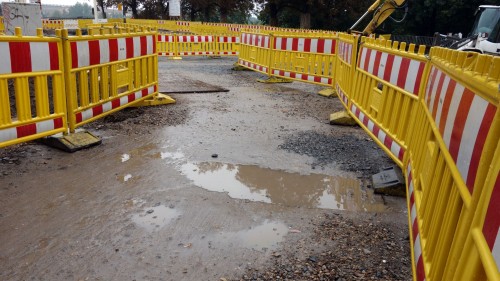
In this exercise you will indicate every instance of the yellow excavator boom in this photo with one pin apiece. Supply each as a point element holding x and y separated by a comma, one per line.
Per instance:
<point>381,10</point>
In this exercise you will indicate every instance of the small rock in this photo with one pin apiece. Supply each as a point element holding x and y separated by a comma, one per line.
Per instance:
<point>150,211</point>
<point>215,155</point>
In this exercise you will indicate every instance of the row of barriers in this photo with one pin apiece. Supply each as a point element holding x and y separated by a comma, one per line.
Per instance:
<point>52,85</point>
<point>436,115</point>
<point>197,45</point>
<point>199,28</point>
<point>306,59</point>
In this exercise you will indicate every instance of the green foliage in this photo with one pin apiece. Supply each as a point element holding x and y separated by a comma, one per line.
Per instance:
<point>424,17</point>
<point>80,10</point>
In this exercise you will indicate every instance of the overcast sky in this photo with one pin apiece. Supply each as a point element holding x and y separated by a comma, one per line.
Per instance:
<point>65,2</point>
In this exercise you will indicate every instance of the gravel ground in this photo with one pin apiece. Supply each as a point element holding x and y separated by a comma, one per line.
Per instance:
<point>283,126</point>
<point>328,149</point>
<point>356,250</point>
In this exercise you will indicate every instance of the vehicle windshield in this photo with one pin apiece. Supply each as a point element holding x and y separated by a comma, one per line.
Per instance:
<point>486,20</point>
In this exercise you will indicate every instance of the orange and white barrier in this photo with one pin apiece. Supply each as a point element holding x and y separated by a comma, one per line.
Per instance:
<point>95,52</point>
<point>114,71</point>
<point>397,70</point>
<point>28,57</point>
<point>463,120</point>
<point>39,60</point>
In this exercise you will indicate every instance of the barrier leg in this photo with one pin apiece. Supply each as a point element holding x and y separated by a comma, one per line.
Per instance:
<point>342,118</point>
<point>157,99</point>
<point>272,79</point>
<point>328,92</point>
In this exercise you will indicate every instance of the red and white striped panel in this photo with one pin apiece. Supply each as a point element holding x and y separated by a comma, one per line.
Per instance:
<point>17,57</point>
<point>305,45</point>
<point>95,52</point>
<point>417,246</point>
<point>183,23</point>
<point>341,94</point>
<point>30,129</point>
<point>110,105</point>
<point>463,119</point>
<point>165,38</point>
<point>382,136</point>
<point>491,228</point>
<point>196,53</point>
<point>226,39</point>
<point>194,39</point>
<point>166,54</point>
<point>399,71</point>
<point>345,52</point>
<point>303,77</point>
<point>228,53</point>
<point>253,66</point>
<point>255,40</point>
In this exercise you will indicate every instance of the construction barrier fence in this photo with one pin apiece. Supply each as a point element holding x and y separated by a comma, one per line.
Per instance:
<point>172,45</point>
<point>346,64</point>
<point>437,117</point>
<point>32,94</point>
<point>255,52</point>
<point>51,85</point>
<point>385,92</point>
<point>105,73</point>
<point>2,26</point>
<point>307,59</point>
<point>453,140</point>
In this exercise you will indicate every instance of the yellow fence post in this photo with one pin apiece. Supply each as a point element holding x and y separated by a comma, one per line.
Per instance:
<point>32,106</point>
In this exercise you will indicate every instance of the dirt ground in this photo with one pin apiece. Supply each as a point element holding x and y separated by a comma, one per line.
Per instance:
<point>250,184</point>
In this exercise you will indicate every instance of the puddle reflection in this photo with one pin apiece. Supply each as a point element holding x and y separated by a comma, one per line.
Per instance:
<point>280,187</point>
<point>265,236</point>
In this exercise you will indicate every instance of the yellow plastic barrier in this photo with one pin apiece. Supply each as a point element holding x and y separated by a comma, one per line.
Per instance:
<point>52,24</point>
<point>255,52</point>
<point>171,45</point>
<point>227,45</point>
<point>306,59</point>
<point>32,95</point>
<point>196,45</point>
<point>347,48</point>
<point>167,45</point>
<point>453,162</point>
<point>385,90</point>
<point>106,73</point>
<point>2,26</point>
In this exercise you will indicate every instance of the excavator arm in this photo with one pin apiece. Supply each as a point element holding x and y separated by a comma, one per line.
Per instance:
<point>381,10</point>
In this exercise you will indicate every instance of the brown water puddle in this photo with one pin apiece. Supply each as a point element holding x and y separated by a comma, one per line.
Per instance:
<point>155,218</point>
<point>265,236</point>
<point>280,187</point>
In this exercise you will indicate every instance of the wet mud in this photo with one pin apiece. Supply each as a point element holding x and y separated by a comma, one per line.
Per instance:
<point>286,191</point>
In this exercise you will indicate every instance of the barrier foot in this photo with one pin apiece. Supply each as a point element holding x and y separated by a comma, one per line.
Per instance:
<point>273,79</point>
<point>238,67</point>
<point>328,92</point>
<point>72,142</point>
<point>389,181</point>
<point>342,118</point>
<point>157,99</point>
<point>175,58</point>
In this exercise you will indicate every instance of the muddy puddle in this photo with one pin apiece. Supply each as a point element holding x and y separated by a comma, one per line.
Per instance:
<point>266,236</point>
<point>280,187</point>
<point>155,218</point>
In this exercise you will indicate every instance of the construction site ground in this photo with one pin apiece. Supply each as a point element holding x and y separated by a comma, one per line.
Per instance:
<point>247,184</point>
